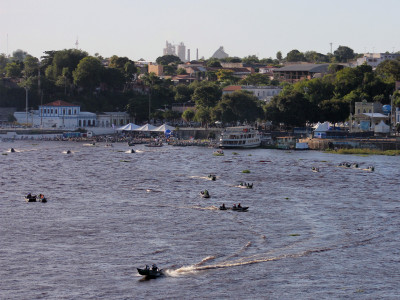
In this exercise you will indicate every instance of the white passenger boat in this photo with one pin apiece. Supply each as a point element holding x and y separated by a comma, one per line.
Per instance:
<point>240,137</point>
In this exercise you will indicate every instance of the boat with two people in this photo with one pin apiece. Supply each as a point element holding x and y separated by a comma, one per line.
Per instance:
<point>239,137</point>
<point>34,198</point>
<point>152,272</point>
<point>205,194</point>
<point>212,177</point>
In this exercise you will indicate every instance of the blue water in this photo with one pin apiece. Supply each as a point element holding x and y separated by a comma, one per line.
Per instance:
<point>327,235</point>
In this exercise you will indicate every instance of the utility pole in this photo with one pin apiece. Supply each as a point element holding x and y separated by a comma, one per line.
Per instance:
<point>331,46</point>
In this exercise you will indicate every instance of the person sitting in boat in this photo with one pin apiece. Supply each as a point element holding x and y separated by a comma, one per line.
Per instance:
<point>234,205</point>
<point>206,193</point>
<point>223,206</point>
<point>12,150</point>
<point>239,206</point>
<point>154,267</point>
<point>29,196</point>
<point>250,185</point>
<point>146,267</point>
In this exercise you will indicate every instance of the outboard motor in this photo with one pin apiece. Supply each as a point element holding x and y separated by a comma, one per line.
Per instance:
<point>132,151</point>
<point>69,152</point>
<point>12,150</point>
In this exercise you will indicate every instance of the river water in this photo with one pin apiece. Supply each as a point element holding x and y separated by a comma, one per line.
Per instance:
<point>327,235</point>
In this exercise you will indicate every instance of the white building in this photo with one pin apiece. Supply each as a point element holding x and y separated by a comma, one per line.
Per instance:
<point>264,93</point>
<point>61,114</point>
<point>374,59</point>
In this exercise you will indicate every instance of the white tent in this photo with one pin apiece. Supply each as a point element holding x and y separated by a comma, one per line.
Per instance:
<point>164,128</point>
<point>146,127</point>
<point>322,127</point>
<point>382,127</point>
<point>128,127</point>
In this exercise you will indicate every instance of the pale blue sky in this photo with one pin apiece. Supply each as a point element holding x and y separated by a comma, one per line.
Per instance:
<point>139,28</point>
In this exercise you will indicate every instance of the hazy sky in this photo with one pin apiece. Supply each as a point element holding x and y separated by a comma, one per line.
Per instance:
<point>139,28</point>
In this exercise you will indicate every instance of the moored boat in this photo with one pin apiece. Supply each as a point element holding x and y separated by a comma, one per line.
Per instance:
<point>240,137</point>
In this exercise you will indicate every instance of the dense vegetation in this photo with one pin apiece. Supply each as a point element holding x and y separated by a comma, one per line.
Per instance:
<point>117,84</point>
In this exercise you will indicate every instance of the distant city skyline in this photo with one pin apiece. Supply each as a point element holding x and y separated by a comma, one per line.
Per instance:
<point>139,29</point>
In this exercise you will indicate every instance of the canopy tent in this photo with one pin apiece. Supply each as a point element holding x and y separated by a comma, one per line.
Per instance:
<point>128,127</point>
<point>322,127</point>
<point>382,127</point>
<point>164,128</point>
<point>146,127</point>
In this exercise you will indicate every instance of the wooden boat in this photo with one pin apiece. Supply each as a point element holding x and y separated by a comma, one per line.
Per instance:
<point>154,145</point>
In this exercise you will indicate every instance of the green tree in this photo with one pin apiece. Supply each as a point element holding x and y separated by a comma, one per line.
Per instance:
<point>279,55</point>
<point>294,56</point>
<point>343,54</point>
<point>238,106</point>
<point>225,75</point>
<point>188,115</point>
<point>13,69</point>
<point>88,73</point>
<point>291,108</point>
<point>203,115</point>
<point>167,59</point>
<point>207,95</point>
<point>181,71</point>
<point>3,63</point>
<point>183,92</point>
<point>31,65</point>
<point>389,70</point>
<point>214,63</point>
<point>255,79</point>
<point>251,59</point>
<point>334,110</point>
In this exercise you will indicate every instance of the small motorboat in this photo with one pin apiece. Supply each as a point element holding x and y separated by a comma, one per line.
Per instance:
<point>240,208</point>
<point>245,185</point>
<point>223,207</point>
<point>218,153</point>
<point>315,169</point>
<point>205,194</point>
<point>154,272</point>
<point>155,144</point>
<point>12,150</point>
<point>131,144</point>
<point>30,198</point>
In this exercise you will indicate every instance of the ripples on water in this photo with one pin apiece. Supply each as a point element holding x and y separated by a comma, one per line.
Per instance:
<point>332,234</point>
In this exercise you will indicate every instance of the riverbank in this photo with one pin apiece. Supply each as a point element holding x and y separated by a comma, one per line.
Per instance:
<point>358,151</point>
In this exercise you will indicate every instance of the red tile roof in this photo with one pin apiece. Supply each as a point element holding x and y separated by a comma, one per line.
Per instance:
<point>232,88</point>
<point>60,103</point>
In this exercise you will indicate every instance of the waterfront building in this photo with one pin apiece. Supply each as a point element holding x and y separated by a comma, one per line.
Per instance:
<point>61,114</point>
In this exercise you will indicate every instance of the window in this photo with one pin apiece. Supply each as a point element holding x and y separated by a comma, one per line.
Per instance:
<point>69,112</point>
<point>63,111</point>
<point>56,111</point>
<point>74,111</point>
<point>51,111</point>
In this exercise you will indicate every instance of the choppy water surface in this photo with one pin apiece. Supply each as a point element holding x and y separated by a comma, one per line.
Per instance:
<point>327,235</point>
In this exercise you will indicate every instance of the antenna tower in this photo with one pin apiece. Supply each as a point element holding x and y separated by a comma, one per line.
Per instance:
<point>77,43</point>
